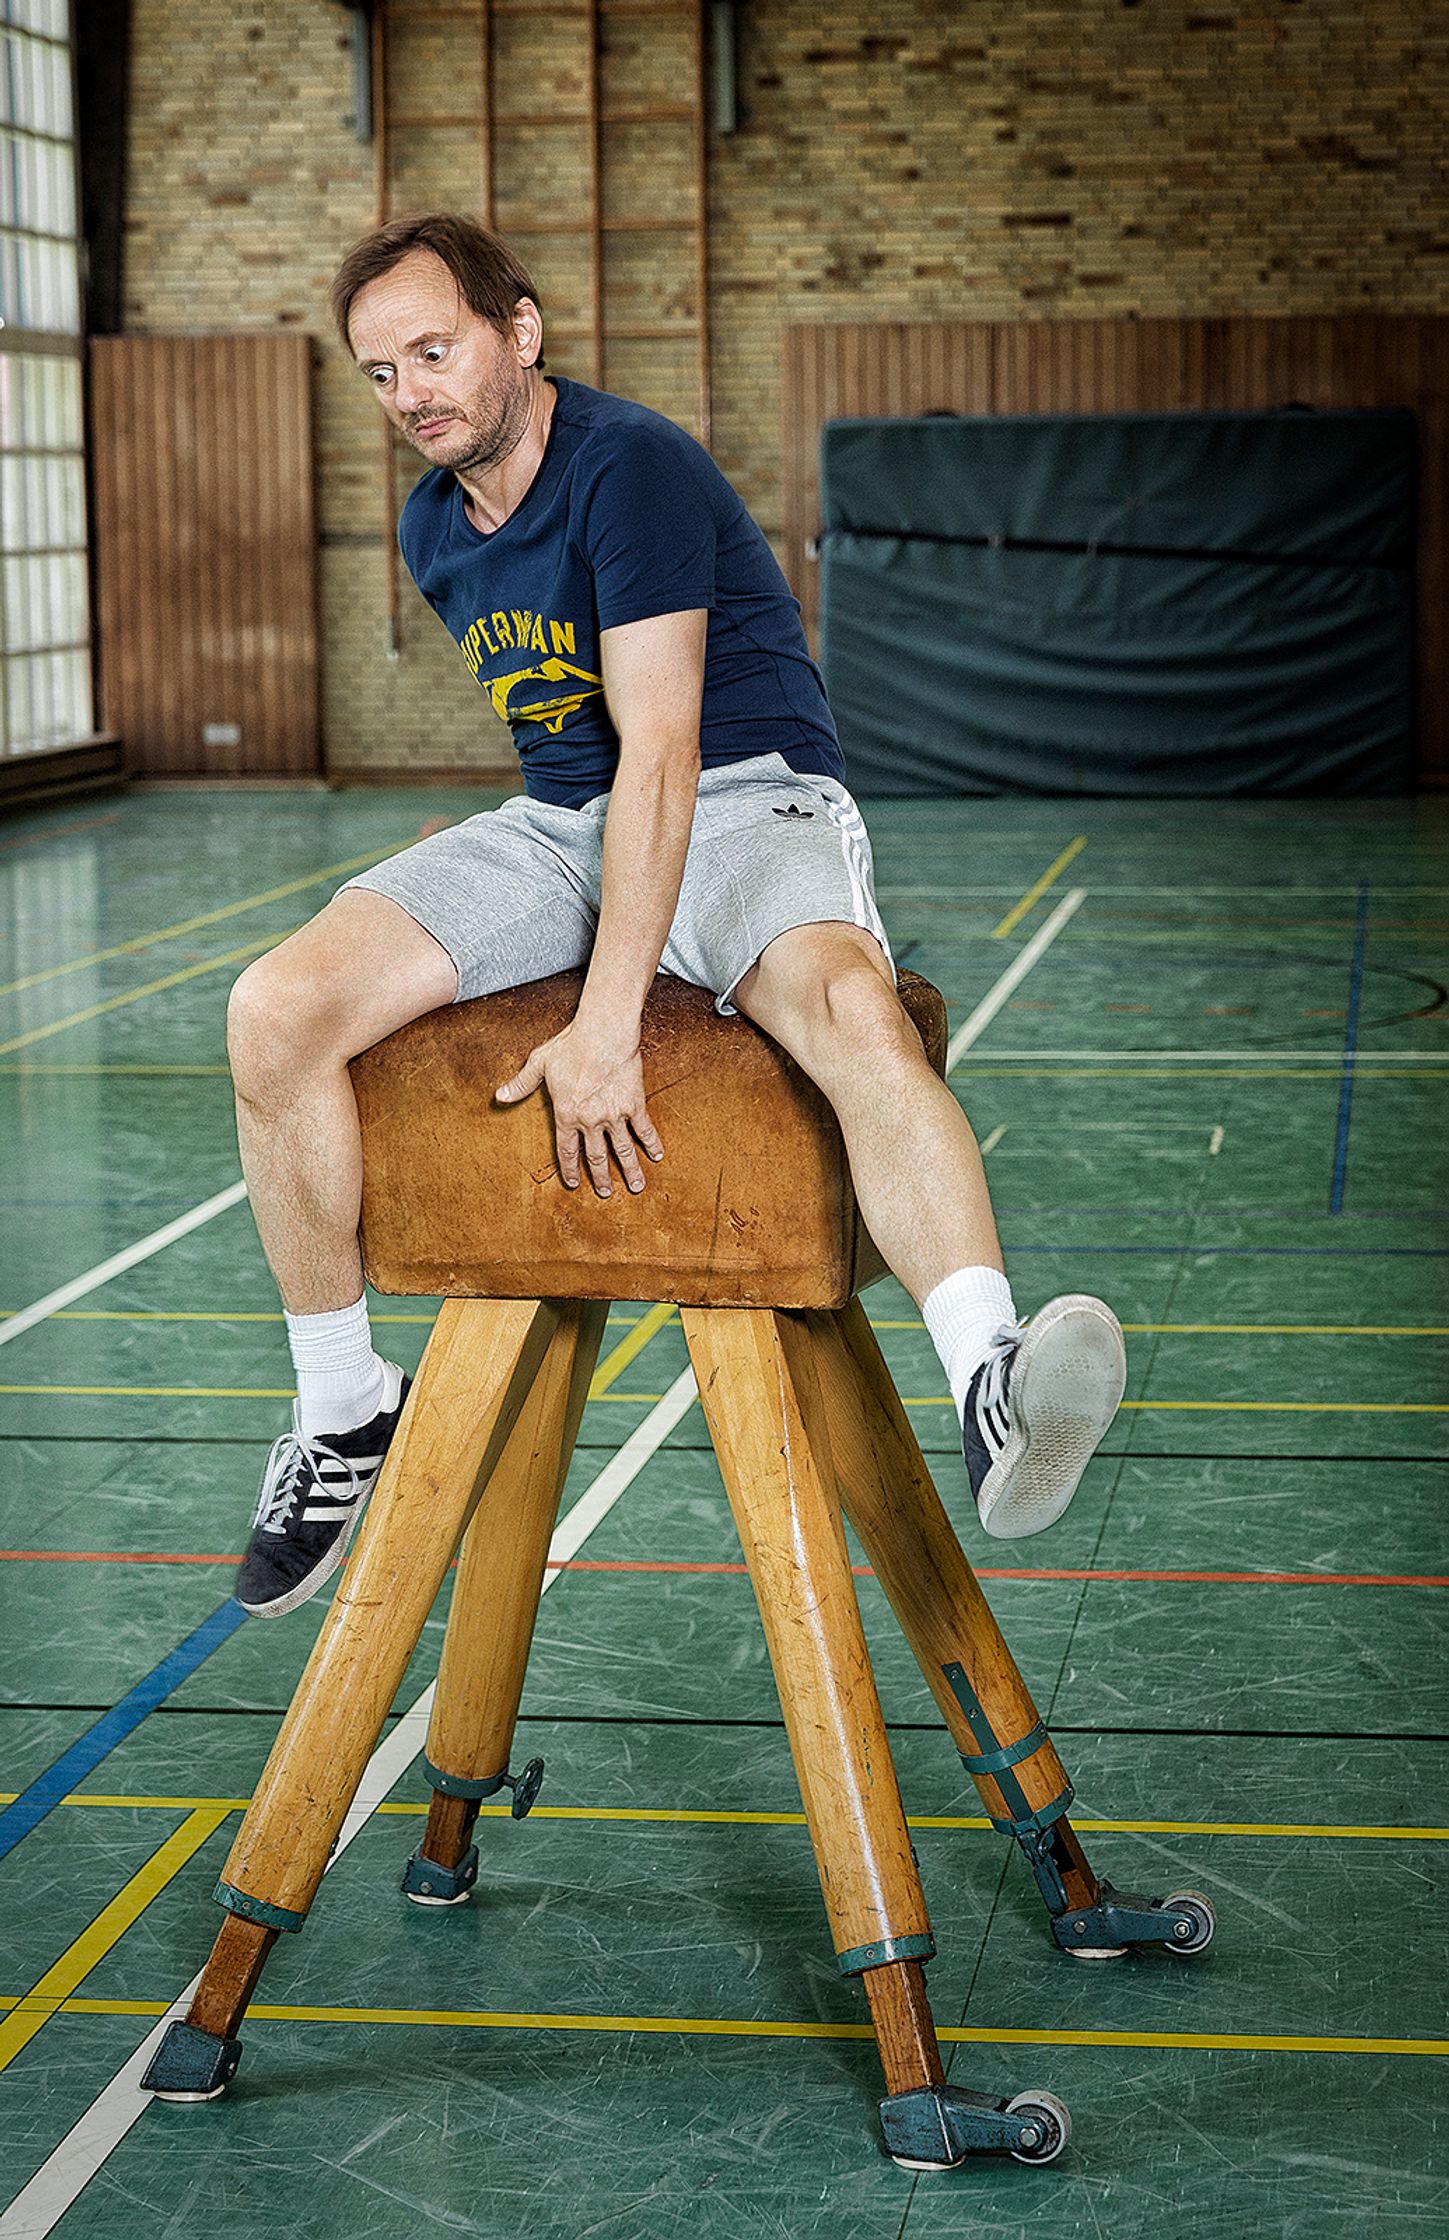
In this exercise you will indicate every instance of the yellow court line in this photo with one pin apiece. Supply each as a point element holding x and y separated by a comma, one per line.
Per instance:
<point>152,988</point>
<point>1068,1072</point>
<point>1054,871</point>
<point>651,1399</point>
<point>933,1400</point>
<point>1239,1329</point>
<point>1302,1407</point>
<point>1291,1329</point>
<point>682,1815</point>
<point>711,2026</point>
<point>193,925</point>
<point>1133,1329</point>
<point>1017,1072</point>
<point>28,1069</point>
<point>31,2013</point>
<point>221,1314</point>
<point>156,1391</point>
<point>625,1351</point>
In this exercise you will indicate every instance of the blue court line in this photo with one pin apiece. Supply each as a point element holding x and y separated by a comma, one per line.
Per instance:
<point>83,1756</point>
<point>1350,1052</point>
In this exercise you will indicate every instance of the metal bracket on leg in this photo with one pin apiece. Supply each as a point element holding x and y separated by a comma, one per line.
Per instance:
<point>426,1880</point>
<point>433,1885</point>
<point>1115,1921</point>
<point>937,2127</point>
<point>525,1785</point>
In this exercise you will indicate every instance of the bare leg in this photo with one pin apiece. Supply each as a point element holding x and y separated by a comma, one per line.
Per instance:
<point>359,971</point>
<point>824,993</point>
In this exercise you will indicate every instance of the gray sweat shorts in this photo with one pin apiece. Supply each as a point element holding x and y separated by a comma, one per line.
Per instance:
<point>513,894</point>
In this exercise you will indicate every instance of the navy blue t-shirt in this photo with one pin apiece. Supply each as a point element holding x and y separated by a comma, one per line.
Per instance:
<point>626,517</point>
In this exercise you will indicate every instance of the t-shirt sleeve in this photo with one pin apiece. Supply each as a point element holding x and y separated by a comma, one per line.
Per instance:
<point>648,532</point>
<point>411,541</point>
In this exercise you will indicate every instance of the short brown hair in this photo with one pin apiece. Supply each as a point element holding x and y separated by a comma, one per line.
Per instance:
<point>490,278</point>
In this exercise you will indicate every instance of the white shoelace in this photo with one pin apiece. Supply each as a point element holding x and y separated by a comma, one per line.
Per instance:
<point>991,1412</point>
<point>286,1475</point>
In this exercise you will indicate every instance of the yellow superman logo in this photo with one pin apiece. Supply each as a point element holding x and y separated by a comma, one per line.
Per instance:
<point>553,712</point>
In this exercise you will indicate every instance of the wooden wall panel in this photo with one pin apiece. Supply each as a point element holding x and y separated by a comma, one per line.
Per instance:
<point>1134,365</point>
<point>205,552</point>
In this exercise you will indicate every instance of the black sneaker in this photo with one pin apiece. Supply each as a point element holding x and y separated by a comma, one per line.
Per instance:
<point>1036,1410</point>
<point>313,1494</point>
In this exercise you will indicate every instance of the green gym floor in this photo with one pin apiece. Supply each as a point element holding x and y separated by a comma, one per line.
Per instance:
<point>1205,1049</point>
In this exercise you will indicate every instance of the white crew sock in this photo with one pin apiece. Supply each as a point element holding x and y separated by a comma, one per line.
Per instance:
<point>341,1382</point>
<point>963,1315</point>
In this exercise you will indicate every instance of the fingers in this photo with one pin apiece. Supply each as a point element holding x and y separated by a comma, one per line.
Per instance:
<point>567,1141</point>
<point>648,1135</point>
<point>566,1147</point>
<point>597,1142</point>
<point>596,1159</point>
<point>626,1155</point>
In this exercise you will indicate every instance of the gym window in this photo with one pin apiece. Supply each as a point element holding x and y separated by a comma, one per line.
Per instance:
<point>45,631</point>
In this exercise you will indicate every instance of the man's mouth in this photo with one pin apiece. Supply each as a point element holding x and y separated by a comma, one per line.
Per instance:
<point>433,427</point>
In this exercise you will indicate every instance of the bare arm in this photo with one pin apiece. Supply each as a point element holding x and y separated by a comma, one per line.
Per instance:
<point>653,686</point>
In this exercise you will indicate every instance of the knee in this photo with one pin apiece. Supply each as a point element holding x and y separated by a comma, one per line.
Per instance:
<point>855,1016</point>
<point>863,1015</point>
<point>279,1024</point>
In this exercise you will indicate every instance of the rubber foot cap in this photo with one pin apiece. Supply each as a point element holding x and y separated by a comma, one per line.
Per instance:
<point>190,2064</point>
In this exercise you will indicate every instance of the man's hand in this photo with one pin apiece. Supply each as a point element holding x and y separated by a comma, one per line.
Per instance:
<point>596,1089</point>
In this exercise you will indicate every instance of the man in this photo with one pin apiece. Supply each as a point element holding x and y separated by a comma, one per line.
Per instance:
<point>684,809</point>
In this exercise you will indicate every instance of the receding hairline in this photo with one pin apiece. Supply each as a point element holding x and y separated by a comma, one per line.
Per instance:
<point>419,249</point>
<point>461,306</point>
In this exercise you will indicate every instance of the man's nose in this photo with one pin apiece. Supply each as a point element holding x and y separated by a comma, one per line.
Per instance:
<point>410,393</point>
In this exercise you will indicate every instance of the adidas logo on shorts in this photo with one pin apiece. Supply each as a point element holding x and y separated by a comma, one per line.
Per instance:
<point>792,811</point>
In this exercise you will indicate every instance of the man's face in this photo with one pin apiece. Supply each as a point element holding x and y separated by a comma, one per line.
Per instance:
<point>456,388</point>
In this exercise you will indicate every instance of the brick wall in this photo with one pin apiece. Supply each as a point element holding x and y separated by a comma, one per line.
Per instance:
<point>894,159</point>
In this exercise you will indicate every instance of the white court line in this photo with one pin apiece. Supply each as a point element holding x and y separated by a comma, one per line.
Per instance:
<point>1013,976</point>
<point>993,1139</point>
<point>40,2205</point>
<point>16,1325</point>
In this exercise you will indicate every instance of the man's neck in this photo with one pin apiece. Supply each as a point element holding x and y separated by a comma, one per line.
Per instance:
<point>492,494</point>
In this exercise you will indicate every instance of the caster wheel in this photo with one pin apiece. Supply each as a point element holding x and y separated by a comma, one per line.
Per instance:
<point>1204,1923</point>
<point>1052,2123</point>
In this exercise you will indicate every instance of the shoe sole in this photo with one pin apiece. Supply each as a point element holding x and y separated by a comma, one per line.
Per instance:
<point>1066,1386</point>
<point>306,1588</point>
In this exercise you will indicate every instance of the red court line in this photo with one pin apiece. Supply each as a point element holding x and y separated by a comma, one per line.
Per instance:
<point>860,1570</point>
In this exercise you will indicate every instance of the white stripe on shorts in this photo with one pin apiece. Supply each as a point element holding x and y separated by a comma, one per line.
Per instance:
<point>849,823</point>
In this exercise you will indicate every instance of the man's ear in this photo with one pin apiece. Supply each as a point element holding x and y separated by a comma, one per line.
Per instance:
<point>523,328</point>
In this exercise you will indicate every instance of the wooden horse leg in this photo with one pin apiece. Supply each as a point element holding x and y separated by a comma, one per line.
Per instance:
<point>762,1401</point>
<point>495,1604</point>
<point>891,1501</point>
<point>479,1368</point>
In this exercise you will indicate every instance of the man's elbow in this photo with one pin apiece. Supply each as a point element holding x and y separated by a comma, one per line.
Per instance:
<point>671,756</point>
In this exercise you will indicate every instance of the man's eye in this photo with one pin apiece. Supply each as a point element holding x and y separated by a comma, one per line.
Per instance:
<point>379,374</point>
<point>434,351</point>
